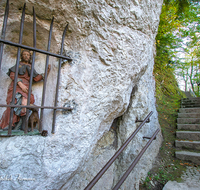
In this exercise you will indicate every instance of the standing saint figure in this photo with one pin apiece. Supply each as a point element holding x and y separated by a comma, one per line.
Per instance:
<point>21,97</point>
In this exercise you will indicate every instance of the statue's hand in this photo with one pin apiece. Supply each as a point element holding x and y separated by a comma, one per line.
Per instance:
<point>23,87</point>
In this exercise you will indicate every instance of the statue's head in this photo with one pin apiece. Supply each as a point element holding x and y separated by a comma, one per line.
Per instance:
<point>26,56</point>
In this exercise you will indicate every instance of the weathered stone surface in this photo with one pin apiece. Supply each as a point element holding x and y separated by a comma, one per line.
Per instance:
<point>189,138</point>
<point>189,115</point>
<point>190,180</point>
<point>191,177</point>
<point>112,46</point>
<point>189,110</point>
<point>188,135</point>
<point>191,127</point>
<point>177,186</point>
<point>194,145</point>
<point>188,121</point>
<point>188,156</point>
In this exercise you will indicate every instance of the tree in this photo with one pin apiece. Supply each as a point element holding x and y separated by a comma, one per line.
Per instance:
<point>177,43</point>
<point>169,41</point>
<point>189,32</point>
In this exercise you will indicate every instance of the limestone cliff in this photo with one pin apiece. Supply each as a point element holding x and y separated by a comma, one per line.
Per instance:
<point>112,46</point>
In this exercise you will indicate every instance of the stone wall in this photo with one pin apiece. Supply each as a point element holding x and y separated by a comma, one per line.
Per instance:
<point>112,46</point>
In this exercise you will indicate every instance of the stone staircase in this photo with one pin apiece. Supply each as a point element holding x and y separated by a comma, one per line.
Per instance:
<point>188,131</point>
<point>190,102</point>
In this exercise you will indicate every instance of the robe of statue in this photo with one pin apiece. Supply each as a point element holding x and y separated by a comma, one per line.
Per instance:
<point>23,76</point>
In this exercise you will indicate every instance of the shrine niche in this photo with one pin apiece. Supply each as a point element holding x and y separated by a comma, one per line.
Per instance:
<point>22,115</point>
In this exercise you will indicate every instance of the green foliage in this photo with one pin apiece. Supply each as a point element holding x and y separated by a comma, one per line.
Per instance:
<point>178,20</point>
<point>189,65</point>
<point>162,176</point>
<point>174,26</point>
<point>168,93</point>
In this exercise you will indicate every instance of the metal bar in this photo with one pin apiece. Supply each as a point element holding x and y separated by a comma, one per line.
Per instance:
<point>32,69</point>
<point>137,120</point>
<point>35,49</point>
<point>108,164</point>
<point>3,33</point>
<point>58,80</point>
<point>44,107</point>
<point>149,138</point>
<point>117,186</point>
<point>16,69</point>
<point>45,76</point>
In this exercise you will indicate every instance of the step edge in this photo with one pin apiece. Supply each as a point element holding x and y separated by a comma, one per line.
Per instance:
<point>186,152</point>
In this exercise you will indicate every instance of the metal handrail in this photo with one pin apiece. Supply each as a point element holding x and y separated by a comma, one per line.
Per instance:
<point>108,164</point>
<point>123,178</point>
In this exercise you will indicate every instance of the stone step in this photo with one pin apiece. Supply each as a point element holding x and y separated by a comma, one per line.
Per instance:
<point>195,145</point>
<point>188,156</point>
<point>189,115</point>
<point>190,105</point>
<point>190,100</point>
<point>189,110</point>
<point>188,120</point>
<point>188,135</point>
<point>190,127</point>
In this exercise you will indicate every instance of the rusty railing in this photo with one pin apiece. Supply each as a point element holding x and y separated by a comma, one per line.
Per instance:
<point>109,163</point>
<point>34,49</point>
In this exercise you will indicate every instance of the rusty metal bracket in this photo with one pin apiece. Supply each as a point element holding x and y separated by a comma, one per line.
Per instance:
<point>148,138</point>
<point>123,178</point>
<point>109,163</point>
<point>137,120</point>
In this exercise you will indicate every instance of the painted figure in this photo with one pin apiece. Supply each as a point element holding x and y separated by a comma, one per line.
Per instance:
<point>21,97</point>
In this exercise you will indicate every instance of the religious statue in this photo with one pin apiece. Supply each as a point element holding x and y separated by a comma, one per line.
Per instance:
<point>21,97</point>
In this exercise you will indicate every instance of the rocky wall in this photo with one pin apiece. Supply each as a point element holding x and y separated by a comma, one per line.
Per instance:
<point>112,46</point>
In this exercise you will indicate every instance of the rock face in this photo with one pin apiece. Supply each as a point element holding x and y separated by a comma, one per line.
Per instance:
<point>190,180</point>
<point>110,77</point>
